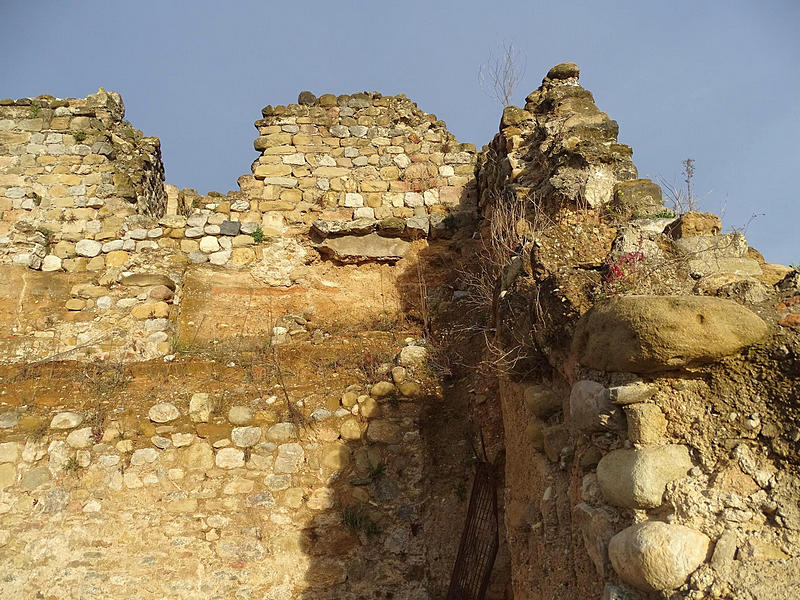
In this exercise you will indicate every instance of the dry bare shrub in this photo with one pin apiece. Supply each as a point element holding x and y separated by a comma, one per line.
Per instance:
<point>501,73</point>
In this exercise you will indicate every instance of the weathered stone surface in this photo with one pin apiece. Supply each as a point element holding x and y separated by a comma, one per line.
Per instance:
<point>88,248</point>
<point>200,407</point>
<point>646,423</point>
<point>244,437</point>
<point>636,478</point>
<point>352,249</point>
<point>147,280</point>
<point>541,400</point>
<point>290,458</point>
<point>695,223</point>
<point>655,556</point>
<point>382,389</point>
<point>383,431</point>
<point>282,432</point>
<point>66,420</point>
<point>644,334</point>
<point>638,197</point>
<point>240,415</point>
<point>412,356</point>
<point>591,409</point>
<point>80,438</point>
<point>229,458</point>
<point>164,412</point>
<point>143,456</point>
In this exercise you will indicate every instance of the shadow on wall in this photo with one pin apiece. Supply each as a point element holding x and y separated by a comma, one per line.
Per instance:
<point>388,521</point>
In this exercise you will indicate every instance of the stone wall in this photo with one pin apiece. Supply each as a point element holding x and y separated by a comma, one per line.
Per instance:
<point>209,489</point>
<point>354,179</point>
<point>71,171</point>
<point>650,415</point>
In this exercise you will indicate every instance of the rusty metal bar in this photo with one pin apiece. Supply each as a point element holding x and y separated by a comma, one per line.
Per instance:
<point>479,541</point>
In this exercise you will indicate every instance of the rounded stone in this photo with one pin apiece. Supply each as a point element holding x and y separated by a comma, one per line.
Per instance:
<point>646,334</point>
<point>564,70</point>
<point>143,455</point>
<point>281,432</point>
<point>240,415</point>
<point>655,556</point>
<point>637,478</point>
<point>382,389</point>
<point>51,262</point>
<point>307,98</point>
<point>410,389</point>
<point>244,437</point>
<point>209,244</point>
<point>163,412</point>
<point>350,430</point>
<point>88,248</point>
<point>66,420</point>
<point>412,356</point>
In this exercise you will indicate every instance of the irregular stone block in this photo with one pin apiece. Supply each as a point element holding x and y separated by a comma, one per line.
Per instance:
<point>640,197</point>
<point>637,478</point>
<point>200,407</point>
<point>646,423</point>
<point>644,334</point>
<point>655,556</point>
<point>591,409</point>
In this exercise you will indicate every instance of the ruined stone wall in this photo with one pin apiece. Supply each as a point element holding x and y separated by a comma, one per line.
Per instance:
<point>355,178</point>
<point>206,488</point>
<point>651,412</point>
<point>70,172</point>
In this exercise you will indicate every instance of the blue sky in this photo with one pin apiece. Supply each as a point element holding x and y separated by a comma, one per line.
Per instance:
<point>714,81</point>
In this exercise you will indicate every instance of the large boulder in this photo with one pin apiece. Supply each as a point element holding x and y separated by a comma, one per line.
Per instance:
<point>645,334</point>
<point>655,556</point>
<point>637,478</point>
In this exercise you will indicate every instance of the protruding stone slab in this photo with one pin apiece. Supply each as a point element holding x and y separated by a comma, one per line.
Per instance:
<point>645,334</point>
<point>637,478</point>
<point>147,280</point>
<point>352,249</point>
<point>655,556</point>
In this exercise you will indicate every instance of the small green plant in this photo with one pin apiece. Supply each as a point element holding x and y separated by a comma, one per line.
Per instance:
<point>258,235</point>
<point>356,519</point>
<point>664,214</point>
<point>35,109</point>
<point>79,136</point>
<point>71,465</point>
<point>353,518</point>
<point>378,471</point>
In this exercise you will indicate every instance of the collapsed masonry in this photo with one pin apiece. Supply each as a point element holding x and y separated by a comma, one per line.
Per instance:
<point>647,364</point>
<point>649,388</point>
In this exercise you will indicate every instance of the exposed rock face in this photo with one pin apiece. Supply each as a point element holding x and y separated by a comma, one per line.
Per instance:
<point>637,478</point>
<point>655,556</point>
<point>644,334</point>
